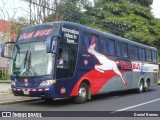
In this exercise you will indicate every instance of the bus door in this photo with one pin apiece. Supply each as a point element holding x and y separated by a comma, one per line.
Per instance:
<point>66,60</point>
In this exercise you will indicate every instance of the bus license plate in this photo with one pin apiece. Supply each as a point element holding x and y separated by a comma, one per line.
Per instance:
<point>26,93</point>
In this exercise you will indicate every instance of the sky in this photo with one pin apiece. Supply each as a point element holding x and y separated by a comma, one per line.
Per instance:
<point>22,8</point>
<point>156,8</point>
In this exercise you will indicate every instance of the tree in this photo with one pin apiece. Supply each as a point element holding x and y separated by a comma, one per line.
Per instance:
<point>131,19</point>
<point>70,10</point>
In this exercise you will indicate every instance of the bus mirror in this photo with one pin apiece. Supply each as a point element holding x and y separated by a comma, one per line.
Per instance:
<point>51,43</point>
<point>6,49</point>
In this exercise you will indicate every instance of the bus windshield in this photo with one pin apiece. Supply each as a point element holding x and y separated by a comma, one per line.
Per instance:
<point>31,59</point>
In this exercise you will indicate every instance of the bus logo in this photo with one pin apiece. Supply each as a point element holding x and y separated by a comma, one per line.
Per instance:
<point>26,80</point>
<point>86,62</point>
<point>105,63</point>
<point>63,90</point>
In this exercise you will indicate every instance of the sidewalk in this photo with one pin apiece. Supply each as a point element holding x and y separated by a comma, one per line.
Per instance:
<point>6,96</point>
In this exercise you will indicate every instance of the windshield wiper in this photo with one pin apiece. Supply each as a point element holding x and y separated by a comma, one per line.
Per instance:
<point>29,61</point>
<point>25,59</point>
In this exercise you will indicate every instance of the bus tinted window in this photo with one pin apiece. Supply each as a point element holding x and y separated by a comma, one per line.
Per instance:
<point>122,49</point>
<point>154,56</point>
<point>133,52</point>
<point>148,55</point>
<point>141,53</point>
<point>86,42</point>
<point>105,47</point>
<point>108,47</point>
<point>111,45</point>
<point>118,48</point>
<point>95,38</point>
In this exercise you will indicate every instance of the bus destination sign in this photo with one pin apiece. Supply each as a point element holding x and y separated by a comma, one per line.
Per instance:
<point>38,33</point>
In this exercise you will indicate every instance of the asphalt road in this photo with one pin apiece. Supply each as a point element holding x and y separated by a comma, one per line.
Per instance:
<point>115,101</point>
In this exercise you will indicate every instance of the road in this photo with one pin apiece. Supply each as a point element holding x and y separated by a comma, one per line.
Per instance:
<point>116,101</point>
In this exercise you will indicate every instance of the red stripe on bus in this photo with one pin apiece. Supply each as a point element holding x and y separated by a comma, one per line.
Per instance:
<point>96,79</point>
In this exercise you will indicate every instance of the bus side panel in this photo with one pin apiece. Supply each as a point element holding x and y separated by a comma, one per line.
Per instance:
<point>136,78</point>
<point>115,83</point>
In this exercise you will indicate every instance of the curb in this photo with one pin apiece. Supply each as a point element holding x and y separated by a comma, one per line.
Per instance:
<point>19,101</point>
<point>5,81</point>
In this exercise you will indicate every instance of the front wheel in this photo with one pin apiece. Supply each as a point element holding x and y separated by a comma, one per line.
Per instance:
<point>82,94</point>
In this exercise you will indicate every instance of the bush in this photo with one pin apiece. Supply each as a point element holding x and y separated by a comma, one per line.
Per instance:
<point>4,76</point>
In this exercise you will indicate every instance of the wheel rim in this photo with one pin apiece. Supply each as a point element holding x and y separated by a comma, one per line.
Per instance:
<point>141,86</point>
<point>82,93</point>
<point>147,85</point>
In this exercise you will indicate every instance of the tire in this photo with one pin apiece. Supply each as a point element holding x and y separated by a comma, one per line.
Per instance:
<point>140,87</point>
<point>83,92</point>
<point>146,88</point>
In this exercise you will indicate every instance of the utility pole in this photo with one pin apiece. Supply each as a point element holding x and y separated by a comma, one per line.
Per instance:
<point>30,11</point>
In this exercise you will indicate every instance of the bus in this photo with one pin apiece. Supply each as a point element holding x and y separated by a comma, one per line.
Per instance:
<point>92,62</point>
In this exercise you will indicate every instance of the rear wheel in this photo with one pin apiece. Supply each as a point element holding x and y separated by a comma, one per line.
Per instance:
<point>140,87</point>
<point>146,88</point>
<point>82,94</point>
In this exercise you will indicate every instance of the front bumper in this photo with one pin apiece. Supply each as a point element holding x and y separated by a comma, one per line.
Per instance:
<point>34,92</point>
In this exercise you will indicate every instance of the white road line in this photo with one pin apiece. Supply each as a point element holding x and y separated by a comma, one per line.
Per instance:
<point>137,105</point>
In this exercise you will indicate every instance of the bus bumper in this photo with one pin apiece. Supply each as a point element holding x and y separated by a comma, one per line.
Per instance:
<point>47,92</point>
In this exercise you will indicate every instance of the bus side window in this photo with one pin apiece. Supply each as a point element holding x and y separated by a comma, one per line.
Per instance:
<point>148,55</point>
<point>105,46</point>
<point>122,49</point>
<point>133,51</point>
<point>96,38</point>
<point>141,53</point>
<point>111,45</point>
<point>154,56</point>
<point>119,49</point>
<point>86,42</point>
<point>108,47</point>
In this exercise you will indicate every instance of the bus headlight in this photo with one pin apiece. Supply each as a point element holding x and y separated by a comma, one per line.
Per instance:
<point>47,82</point>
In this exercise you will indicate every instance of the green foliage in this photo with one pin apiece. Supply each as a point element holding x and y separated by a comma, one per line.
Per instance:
<point>131,19</point>
<point>71,10</point>
<point>4,76</point>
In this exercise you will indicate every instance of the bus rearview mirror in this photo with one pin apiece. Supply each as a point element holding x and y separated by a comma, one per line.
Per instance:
<point>51,44</point>
<point>6,49</point>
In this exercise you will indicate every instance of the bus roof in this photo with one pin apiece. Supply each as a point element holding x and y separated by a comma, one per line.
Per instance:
<point>97,32</point>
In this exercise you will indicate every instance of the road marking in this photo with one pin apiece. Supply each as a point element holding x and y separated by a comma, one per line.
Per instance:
<point>137,105</point>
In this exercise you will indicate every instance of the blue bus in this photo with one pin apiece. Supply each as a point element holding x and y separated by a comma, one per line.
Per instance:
<point>68,60</point>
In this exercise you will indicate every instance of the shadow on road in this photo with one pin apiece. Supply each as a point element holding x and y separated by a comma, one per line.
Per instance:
<point>68,102</point>
<point>112,95</point>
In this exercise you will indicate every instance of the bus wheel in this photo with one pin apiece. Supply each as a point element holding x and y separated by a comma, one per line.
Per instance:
<point>82,94</point>
<point>140,86</point>
<point>146,88</point>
